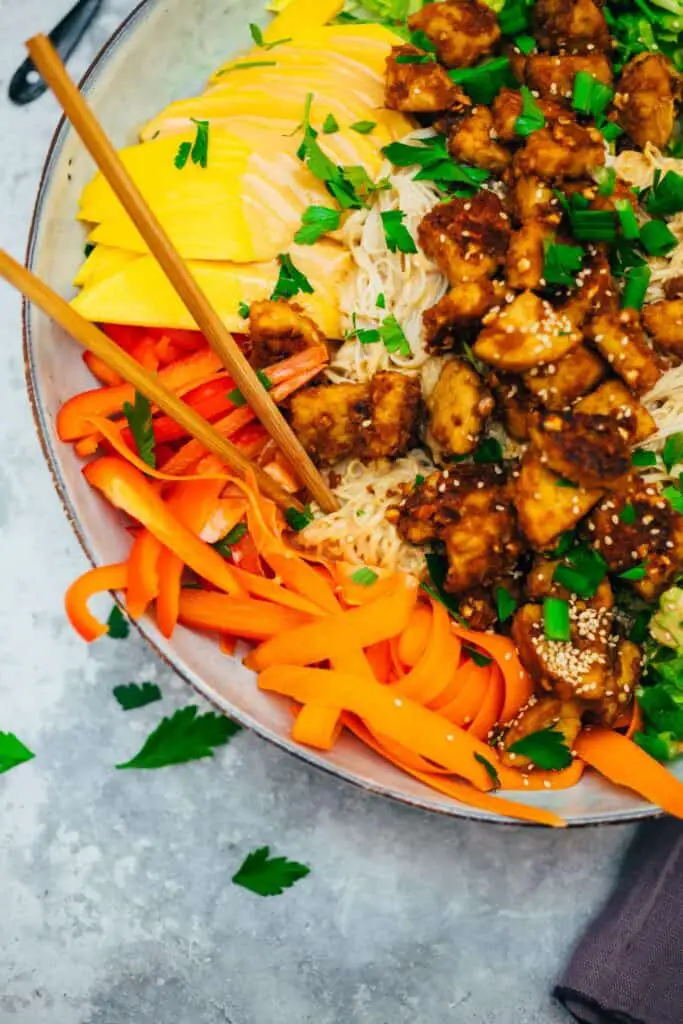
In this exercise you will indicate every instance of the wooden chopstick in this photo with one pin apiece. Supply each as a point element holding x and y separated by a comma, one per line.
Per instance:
<point>49,64</point>
<point>116,359</point>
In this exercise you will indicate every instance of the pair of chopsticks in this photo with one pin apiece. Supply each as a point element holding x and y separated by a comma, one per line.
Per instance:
<point>50,66</point>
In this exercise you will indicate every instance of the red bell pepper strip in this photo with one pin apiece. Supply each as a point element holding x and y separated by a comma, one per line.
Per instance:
<point>143,574</point>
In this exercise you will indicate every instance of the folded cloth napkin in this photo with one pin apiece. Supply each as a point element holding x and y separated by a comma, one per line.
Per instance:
<point>628,969</point>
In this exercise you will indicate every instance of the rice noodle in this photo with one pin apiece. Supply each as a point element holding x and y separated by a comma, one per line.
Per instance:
<point>359,531</point>
<point>409,283</point>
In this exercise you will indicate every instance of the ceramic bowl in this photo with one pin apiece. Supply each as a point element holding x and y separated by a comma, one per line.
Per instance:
<point>164,51</point>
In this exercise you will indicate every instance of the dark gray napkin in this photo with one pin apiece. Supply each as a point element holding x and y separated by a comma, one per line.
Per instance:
<point>628,968</point>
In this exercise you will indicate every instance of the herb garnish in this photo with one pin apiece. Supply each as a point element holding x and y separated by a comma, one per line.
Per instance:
<point>257,36</point>
<point>490,770</point>
<point>268,876</point>
<point>290,281</point>
<point>591,97</point>
<point>12,752</point>
<point>363,127</point>
<point>139,417</point>
<point>225,545</point>
<point>199,150</point>
<point>547,749</point>
<point>562,263</point>
<point>672,454</point>
<point>532,117</point>
<point>132,696</point>
<point>244,311</point>
<point>556,619</point>
<point>299,520</point>
<point>364,577</point>
<point>330,125</point>
<point>185,736</point>
<point>316,222</point>
<point>505,603</point>
<point>118,626</point>
<point>393,337</point>
<point>398,238</point>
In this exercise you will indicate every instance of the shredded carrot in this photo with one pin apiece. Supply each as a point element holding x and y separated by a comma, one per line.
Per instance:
<point>626,764</point>
<point>318,725</point>
<point>244,617</point>
<point>319,641</point>
<point>432,673</point>
<point>95,581</point>
<point>474,684</point>
<point>143,574</point>
<point>400,719</point>
<point>412,642</point>
<point>518,683</point>
<point>515,778</point>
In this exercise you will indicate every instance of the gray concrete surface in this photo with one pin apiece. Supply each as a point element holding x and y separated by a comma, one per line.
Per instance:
<point>116,905</point>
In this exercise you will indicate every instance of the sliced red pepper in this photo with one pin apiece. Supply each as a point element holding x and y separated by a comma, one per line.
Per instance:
<point>95,581</point>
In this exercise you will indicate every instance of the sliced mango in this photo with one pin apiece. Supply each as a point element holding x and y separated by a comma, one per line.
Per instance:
<point>101,263</point>
<point>139,293</point>
<point>298,14</point>
<point>345,67</point>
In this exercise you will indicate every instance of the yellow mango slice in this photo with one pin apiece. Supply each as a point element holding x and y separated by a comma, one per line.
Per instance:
<point>102,262</point>
<point>300,13</point>
<point>139,293</point>
<point>345,68</point>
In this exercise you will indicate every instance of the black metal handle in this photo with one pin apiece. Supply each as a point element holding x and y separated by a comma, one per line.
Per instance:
<point>26,84</point>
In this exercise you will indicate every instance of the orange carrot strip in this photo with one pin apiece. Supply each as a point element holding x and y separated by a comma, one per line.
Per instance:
<point>361,627</point>
<point>460,790</point>
<point>518,683</point>
<point>413,640</point>
<point>516,778</point>
<point>471,695</point>
<point>398,718</point>
<point>99,369</point>
<point>228,645</point>
<point>489,712</point>
<point>355,594</point>
<point>127,489</point>
<point>625,763</point>
<point>239,616</point>
<point>73,419</point>
<point>432,673</point>
<point>319,726</point>
<point>143,574</point>
<point>636,723</point>
<point>170,570</point>
<point>95,581</point>
<point>379,656</point>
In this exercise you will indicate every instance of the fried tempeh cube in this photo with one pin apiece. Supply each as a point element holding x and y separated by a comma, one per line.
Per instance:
<point>646,98</point>
<point>280,329</point>
<point>588,450</point>
<point>531,198</point>
<point>419,88</point>
<point>545,508</point>
<point>474,142</point>
<point>516,407</point>
<point>370,420</point>
<point>458,316</point>
<point>558,385</point>
<point>612,398</point>
<point>621,340</point>
<point>458,408</point>
<point>553,77</point>
<point>562,150</point>
<point>467,238</point>
<point>463,31</point>
<point>526,255</point>
<point>664,323</point>
<point>574,26</point>
<point>526,333</point>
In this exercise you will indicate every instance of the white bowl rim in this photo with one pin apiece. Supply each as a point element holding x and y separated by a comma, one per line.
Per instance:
<point>457,810</point>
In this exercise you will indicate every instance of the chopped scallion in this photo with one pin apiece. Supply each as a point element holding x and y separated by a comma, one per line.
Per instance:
<point>556,619</point>
<point>627,219</point>
<point>657,239</point>
<point>637,282</point>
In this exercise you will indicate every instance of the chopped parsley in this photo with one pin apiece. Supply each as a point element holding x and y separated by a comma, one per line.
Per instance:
<point>437,566</point>
<point>246,64</point>
<point>532,117</point>
<point>257,36</point>
<point>244,311</point>
<point>490,450</point>
<point>290,281</point>
<point>642,458</point>
<point>132,696</point>
<point>316,222</point>
<point>416,58</point>
<point>299,520</point>
<point>185,736</point>
<point>118,627</point>
<point>12,752</point>
<point>330,125</point>
<point>381,302</point>
<point>364,577</point>
<point>590,97</point>
<point>436,164</point>
<point>88,249</point>
<point>393,337</point>
<point>198,150</point>
<point>419,480</point>
<point>397,236</point>
<point>672,453</point>
<point>547,748</point>
<point>638,572</point>
<point>364,127</point>
<point>483,83</point>
<point>525,44</point>
<point>139,417</point>
<point>490,770</point>
<point>562,263</point>
<point>675,498</point>
<point>268,876</point>
<point>628,514</point>
<point>237,398</point>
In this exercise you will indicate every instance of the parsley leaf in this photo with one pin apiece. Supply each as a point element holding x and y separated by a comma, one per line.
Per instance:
<point>299,520</point>
<point>546,748</point>
<point>672,454</point>
<point>330,125</point>
<point>291,281</point>
<point>132,696</point>
<point>397,236</point>
<point>12,752</point>
<point>139,417</point>
<point>491,771</point>
<point>628,514</point>
<point>199,150</point>
<point>505,603</point>
<point>364,577</point>
<point>641,458</point>
<point>490,450</point>
<point>237,398</point>
<point>363,127</point>
<point>118,626</point>
<point>256,34</point>
<point>244,310</point>
<point>638,572</point>
<point>532,117</point>
<point>381,302</point>
<point>562,263</point>
<point>268,876</point>
<point>183,155</point>
<point>393,337</point>
<point>185,736</point>
<point>437,566</point>
<point>316,222</point>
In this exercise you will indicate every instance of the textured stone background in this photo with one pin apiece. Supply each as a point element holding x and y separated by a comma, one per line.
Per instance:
<point>116,905</point>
